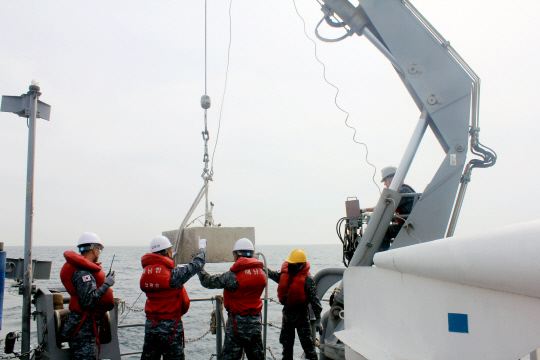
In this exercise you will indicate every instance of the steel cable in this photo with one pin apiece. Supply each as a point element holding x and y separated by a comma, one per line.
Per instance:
<point>224,89</point>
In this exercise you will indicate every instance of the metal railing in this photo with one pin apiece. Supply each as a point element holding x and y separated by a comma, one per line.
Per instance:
<point>219,325</point>
<point>215,328</point>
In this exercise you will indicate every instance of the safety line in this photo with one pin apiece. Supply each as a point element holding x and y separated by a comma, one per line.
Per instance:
<point>205,45</point>
<point>335,101</point>
<point>224,89</point>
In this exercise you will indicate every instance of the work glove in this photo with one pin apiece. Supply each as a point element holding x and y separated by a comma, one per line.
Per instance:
<point>110,279</point>
<point>318,326</point>
<point>202,243</point>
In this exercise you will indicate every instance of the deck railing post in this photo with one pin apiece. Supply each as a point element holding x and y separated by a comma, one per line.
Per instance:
<point>219,325</point>
<point>265,305</point>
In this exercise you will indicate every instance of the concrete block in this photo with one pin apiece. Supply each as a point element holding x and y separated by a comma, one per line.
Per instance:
<point>221,241</point>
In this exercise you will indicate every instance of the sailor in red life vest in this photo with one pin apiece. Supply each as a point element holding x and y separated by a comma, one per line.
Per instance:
<point>166,299</point>
<point>243,286</point>
<point>296,290</point>
<point>91,297</point>
<point>404,207</point>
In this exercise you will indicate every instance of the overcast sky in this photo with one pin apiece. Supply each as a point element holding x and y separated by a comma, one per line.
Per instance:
<point>122,154</point>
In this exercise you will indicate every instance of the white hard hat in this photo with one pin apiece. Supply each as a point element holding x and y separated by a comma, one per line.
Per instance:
<point>159,243</point>
<point>89,238</point>
<point>388,171</point>
<point>243,244</point>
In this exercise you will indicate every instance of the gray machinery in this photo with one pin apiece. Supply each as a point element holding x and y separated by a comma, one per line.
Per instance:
<point>446,91</point>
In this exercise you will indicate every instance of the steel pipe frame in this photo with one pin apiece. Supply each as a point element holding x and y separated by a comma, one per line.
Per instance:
<point>408,156</point>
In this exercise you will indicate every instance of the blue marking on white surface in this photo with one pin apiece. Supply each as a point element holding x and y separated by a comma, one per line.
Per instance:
<point>458,323</point>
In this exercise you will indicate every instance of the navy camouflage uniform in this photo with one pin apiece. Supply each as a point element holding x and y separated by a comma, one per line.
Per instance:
<point>297,317</point>
<point>83,346</point>
<point>404,207</point>
<point>249,327</point>
<point>158,335</point>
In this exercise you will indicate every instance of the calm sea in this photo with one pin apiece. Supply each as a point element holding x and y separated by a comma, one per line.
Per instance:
<point>196,322</point>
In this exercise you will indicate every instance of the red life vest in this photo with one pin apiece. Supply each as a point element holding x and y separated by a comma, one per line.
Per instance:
<point>399,210</point>
<point>162,301</point>
<point>75,262</point>
<point>246,300</point>
<point>291,290</point>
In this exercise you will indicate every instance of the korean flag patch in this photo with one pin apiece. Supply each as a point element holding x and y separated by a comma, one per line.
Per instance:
<point>86,278</point>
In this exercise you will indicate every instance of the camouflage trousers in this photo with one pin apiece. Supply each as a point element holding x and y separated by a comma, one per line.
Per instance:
<point>246,335</point>
<point>83,350</point>
<point>83,345</point>
<point>389,236</point>
<point>157,334</point>
<point>297,319</point>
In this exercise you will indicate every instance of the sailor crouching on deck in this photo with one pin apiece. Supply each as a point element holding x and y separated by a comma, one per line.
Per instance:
<point>243,286</point>
<point>91,297</point>
<point>167,299</point>
<point>296,290</point>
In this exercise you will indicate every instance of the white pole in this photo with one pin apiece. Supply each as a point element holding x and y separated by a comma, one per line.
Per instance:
<point>408,156</point>
<point>33,93</point>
